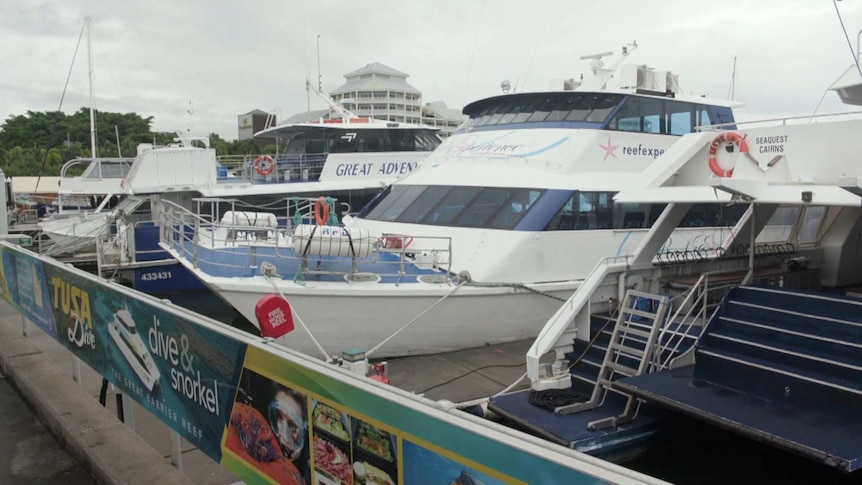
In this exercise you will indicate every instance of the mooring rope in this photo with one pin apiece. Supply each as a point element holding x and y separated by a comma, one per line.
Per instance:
<point>417,317</point>
<point>514,285</point>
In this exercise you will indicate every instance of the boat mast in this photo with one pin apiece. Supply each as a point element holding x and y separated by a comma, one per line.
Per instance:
<point>90,69</point>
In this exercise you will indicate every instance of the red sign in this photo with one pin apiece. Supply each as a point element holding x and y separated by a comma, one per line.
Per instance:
<point>273,316</point>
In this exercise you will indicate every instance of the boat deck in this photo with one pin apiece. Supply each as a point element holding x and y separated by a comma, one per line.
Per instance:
<point>824,435</point>
<point>776,365</point>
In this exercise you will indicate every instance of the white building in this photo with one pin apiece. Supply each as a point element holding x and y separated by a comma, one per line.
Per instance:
<point>381,92</point>
<point>439,115</point>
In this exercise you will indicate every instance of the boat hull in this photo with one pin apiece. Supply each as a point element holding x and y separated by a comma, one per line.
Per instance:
<point>362,315</point>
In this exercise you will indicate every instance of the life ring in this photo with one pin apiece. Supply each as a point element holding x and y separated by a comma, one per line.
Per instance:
<point>730,138</point>
<point>264,165</point>
<point>321,211</point>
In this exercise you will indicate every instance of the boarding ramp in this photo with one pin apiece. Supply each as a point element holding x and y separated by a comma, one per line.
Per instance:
<point>780,366</point>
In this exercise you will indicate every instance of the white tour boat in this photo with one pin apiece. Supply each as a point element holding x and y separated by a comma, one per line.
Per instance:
<point>508,215</point>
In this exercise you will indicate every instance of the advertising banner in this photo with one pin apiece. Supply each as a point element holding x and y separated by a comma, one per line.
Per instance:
<point>267,415</point>
<point>180,371</point>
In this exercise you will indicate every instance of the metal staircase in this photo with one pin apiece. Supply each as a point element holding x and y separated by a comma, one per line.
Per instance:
<point>630,351</point>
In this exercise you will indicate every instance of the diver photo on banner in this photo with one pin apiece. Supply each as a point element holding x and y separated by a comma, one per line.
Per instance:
<point>23,282</point>
<point>268,430</point>
<point>181,372</point>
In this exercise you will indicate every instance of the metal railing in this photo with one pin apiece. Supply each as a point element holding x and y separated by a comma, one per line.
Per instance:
<point>215,239</point>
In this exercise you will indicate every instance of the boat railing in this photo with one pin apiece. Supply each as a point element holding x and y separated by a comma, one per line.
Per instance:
<point>696,307</point>
<point>573,313</point>
<point>222,239</point>
<point>777,121</point>
<point>104,168</point>
<point>286,167</point>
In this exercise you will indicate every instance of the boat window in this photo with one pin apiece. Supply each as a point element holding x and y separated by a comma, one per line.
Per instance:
<point>375,201</point>
<point>426,140</point>
<point>812,219</point>
<point>483,207</point>
<point>462,206</point>
<point>395,201</point>
<point>596,210</point>
<point>713,215</point>
<point>631,215</point>
<point>563,107</point>
<point>451,205</point>
<point>514,208</point>
<point>721,115</point>
<point>315,142</point>
<point>779,228</point>
<point>679,119</point>
<point>423,204</point>
<point>401,141</point>
<point>702,115</point>
<point>602,106</point>
<point>539,107</point>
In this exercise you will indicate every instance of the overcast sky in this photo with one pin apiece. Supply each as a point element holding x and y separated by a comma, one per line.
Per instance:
<point>221,58</point>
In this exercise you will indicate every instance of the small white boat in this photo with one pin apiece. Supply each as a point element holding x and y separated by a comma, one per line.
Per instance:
<point>124,333</point>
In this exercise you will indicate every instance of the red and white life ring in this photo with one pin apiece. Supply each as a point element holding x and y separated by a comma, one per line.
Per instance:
<point>321,211</point>
<point>264,165</point>
<point>728,138</point>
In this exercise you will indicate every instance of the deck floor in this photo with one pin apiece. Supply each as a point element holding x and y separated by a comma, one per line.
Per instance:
<point>833,439</point>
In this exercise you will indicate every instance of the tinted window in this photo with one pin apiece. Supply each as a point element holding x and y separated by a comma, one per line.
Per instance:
<point>483,208</point>
<point>451,205</point>
<point>513,210</point>
<point>394,203</point>
<point>423,204</point>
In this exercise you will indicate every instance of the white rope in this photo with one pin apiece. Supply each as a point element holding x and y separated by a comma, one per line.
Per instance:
<point>447,295</point>
<point>301,323</point>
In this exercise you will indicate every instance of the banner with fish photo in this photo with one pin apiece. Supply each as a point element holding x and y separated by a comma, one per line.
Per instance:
<point>182,372</point>
<point>23,283</point>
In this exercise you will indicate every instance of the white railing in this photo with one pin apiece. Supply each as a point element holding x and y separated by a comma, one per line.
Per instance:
<point>559,324</point>
<point>205,240</point>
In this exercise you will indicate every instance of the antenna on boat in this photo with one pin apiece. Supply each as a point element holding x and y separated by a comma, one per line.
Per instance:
<point>602,74</point>
<point>319,78</point>
<point>119,149</point>
<point>343,112</point>
<point>732,91</point>
<point>92,112</point>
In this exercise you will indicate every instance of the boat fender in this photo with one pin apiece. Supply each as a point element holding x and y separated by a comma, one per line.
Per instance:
<point>311,239</point>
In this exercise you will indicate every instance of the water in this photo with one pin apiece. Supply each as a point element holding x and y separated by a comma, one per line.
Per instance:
<point>704,455</point>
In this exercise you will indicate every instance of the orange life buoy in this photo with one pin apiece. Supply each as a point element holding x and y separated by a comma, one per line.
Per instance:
<point>321,211</point>
<point>730,138</point>
<point>264,165</point>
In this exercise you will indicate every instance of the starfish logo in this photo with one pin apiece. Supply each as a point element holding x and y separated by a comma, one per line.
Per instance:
<point>609,149</point>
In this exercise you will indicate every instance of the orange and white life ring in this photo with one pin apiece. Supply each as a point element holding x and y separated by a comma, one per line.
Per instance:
<point>321,211</point>
<point>728,138</point>
<point>264,165</point>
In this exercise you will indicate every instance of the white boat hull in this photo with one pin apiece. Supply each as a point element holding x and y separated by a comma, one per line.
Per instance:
<point>344,316</point>
<point>149,376</point>
<point>75,234</point>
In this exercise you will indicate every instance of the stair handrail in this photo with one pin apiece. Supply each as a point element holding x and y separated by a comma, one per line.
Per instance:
<point>700,303</point>
<point>565,315</point>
